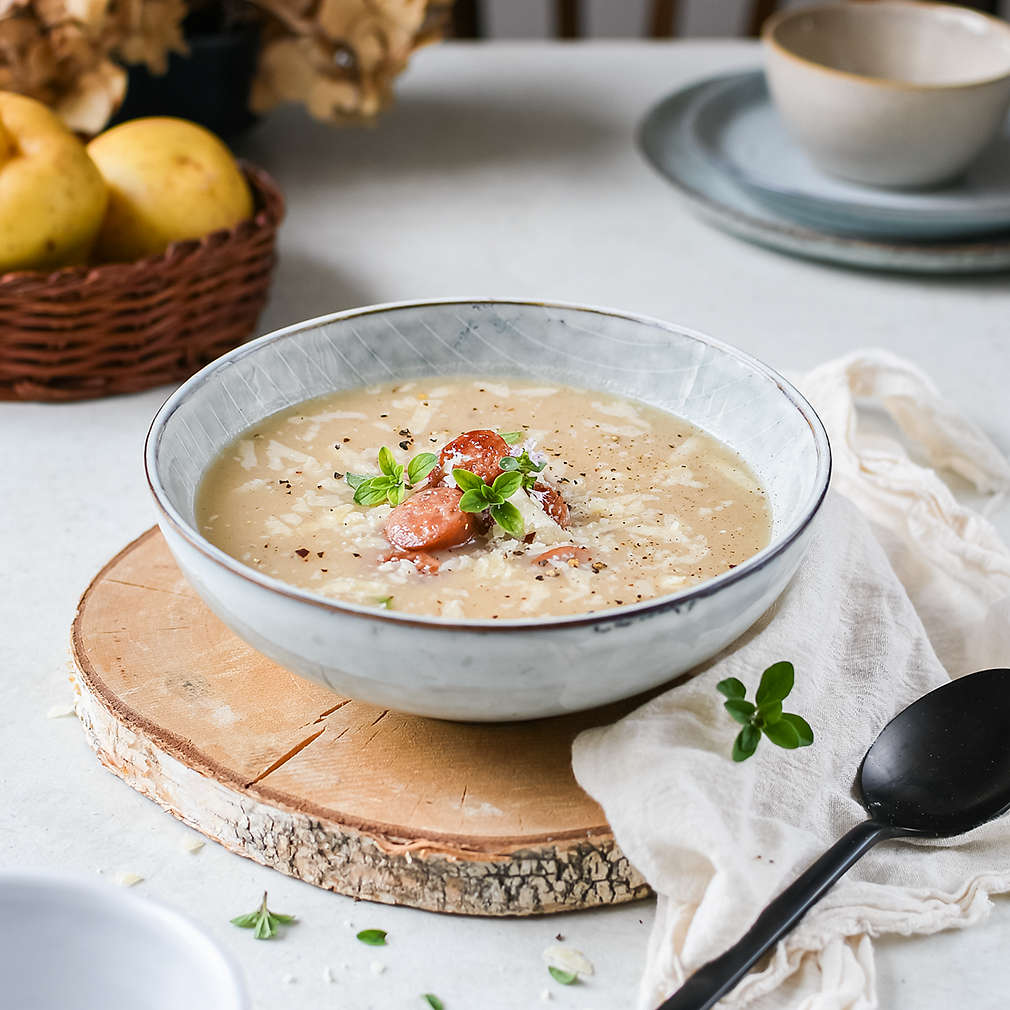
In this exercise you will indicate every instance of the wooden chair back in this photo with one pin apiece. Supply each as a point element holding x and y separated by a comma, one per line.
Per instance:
<point>662,17</point>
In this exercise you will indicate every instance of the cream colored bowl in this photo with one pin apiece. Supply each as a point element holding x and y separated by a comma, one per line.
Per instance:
<point>891,93</point>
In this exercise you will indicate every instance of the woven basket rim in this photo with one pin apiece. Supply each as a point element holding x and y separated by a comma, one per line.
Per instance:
<point>267,197</point>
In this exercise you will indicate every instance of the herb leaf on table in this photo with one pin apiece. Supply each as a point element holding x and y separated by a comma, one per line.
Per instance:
<point>262,921</point>
<point>373,937</point>
<point>764,714</point>
<point>562,976</point>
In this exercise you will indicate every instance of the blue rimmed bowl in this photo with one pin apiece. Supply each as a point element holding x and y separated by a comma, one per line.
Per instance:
<point>492,670</point>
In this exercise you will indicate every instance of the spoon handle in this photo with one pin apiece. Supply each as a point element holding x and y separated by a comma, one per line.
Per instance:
<point>716,978</point>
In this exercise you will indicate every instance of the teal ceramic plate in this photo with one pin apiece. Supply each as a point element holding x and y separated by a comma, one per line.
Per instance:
<point>738,128</point>
<point>668,143</point>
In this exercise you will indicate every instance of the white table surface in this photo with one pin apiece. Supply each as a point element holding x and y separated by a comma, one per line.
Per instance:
<point>505,169</point>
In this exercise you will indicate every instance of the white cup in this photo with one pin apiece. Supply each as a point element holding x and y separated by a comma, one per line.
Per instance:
<point>892,93</point>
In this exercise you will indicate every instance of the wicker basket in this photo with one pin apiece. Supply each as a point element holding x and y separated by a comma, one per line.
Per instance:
<point>83,332</point>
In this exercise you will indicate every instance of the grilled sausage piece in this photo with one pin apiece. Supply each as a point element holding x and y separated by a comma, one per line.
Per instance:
<point>550,500</point>
<point>575,556</point>
<point>430,520</point>
<point>424,562</point>
<point>477,451</point>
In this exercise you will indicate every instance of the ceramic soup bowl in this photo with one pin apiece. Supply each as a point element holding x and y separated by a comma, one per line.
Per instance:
<point>891,93</point>
<point>491,670</point>
<point>68,943</point>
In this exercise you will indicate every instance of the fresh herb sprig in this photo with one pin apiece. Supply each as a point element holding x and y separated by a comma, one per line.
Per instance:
<point>764,714</point>
<point>433,1001</point>
<point>479,496</point>
<point>373,937</point>
<point>512,437</point>
<point>524,465</point>
<point>262,922</point>
<point>388,485</point>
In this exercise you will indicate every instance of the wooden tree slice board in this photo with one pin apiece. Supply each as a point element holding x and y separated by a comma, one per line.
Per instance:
<point>483,819</point>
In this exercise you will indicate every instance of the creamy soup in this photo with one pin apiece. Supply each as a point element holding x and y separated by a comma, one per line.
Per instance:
<point>527,499</point>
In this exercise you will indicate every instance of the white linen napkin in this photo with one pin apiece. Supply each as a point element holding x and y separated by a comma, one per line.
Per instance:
<point>901,589</point>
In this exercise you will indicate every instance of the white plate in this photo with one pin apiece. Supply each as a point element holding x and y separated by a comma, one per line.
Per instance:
<point>738,128</point>
<point>717,196</point>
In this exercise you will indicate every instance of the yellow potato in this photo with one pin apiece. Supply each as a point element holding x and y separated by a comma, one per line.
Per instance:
<point>168,179</point>
<point>52,198</point>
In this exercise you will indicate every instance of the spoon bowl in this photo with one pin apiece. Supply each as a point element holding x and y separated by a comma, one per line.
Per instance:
<point>942,766</point>
<point>939,768</point>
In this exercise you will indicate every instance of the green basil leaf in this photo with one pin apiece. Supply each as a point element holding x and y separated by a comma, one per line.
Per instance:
<point>246,921</point>
<point>746,743</point>
<point>562,976</point>
<point>373,937</point>
<point>731,687</point>
<point>354,479</point>
<point>472,501</point>
<point>509,518</point>
<point>783,734</point>
<point>511,437</point>
<point>465,480</point>
<point>776,683</point>
<point>740,710</point>
<point>420,466</point>
<point>506,484</point>
<point>802,727</point>
<point>508,463</point>
<point>396,495</point>
<point>372,492</point>
<point>770,711</point>
<point>281,918</point>
<point>387,463</point>
<point>265,929</point>
<point>433,1001</point>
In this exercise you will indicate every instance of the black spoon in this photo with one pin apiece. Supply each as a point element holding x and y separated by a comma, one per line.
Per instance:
<point>939,768</point>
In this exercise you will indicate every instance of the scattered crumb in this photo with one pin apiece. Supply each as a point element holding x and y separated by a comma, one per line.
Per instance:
<point>559,937</point>
<point>288,979</point>
<point>327,974</point>
<point>127,879</point>
<point>61,711</point>
<point>190,843</point>
<point>568,959</point>
<point>547,996</point>
<point>377,967</point>
<point>348,924</point>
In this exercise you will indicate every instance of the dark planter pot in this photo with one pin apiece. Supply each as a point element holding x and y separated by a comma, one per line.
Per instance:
<point>210,86</point>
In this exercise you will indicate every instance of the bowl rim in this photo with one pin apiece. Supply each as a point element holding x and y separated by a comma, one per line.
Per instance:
<point>771,26</point>
<point>55,885</point>
<point>627,612</point>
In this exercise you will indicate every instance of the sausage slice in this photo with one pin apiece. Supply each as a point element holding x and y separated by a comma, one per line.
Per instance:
<point>574,555</point>
<point>424,562</point>
<point>550,500</point>
<point>430,520</point>
<point>477,451</point>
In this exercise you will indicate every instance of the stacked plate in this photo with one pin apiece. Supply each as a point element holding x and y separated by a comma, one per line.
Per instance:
<point>723,144</point>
